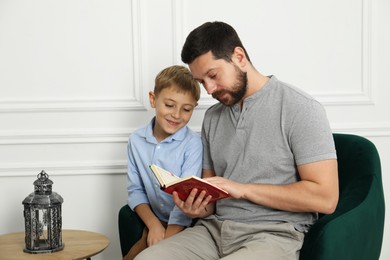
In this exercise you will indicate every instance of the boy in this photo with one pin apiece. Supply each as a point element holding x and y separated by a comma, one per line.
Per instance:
<point>169,143</point>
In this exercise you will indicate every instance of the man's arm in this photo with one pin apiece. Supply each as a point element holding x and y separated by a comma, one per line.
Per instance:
<point>317,191</point>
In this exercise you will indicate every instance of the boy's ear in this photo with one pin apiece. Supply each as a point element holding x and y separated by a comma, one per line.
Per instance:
<point>152,99</point>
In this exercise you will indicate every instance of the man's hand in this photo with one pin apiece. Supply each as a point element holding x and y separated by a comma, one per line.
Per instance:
<point>235,189</point>
<point>195,206</point>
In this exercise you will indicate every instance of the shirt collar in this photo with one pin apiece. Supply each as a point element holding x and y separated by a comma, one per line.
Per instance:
<point>178,136</point>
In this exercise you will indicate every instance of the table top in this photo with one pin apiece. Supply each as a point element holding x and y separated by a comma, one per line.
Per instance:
<point>79,244</point>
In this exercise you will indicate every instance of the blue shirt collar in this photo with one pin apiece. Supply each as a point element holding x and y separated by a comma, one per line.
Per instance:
<point>178,136</point>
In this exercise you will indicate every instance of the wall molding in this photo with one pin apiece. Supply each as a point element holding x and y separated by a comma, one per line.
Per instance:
<point>91,136</point>
<point>114,167</point>
<point>64,168</point>
<point>177,29</point>
<point>65,137</point>
<point>139,52</point>
<point>135,103</point>
<point>65,105</point>
<point>364,129</point>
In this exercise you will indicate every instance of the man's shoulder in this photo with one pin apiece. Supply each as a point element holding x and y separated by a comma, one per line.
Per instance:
<point>291,91</point>
<point>215,109</point>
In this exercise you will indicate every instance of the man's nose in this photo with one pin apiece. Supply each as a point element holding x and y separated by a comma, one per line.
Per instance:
<point>210,87</point>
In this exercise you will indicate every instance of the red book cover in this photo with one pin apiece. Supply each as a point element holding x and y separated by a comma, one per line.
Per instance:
<point>169,183</point>
<point>184,187</point>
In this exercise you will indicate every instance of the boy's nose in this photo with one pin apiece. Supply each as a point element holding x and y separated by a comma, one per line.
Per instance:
<point>176,113</point>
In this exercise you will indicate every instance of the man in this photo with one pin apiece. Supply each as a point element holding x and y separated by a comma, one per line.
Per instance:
<point>268,144</point>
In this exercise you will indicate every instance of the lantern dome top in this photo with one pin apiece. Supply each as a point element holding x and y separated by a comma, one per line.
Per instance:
<point>43,195</point>
<point>43,185</point>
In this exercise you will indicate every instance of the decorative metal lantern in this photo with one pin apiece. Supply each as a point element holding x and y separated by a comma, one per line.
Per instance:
<point>42,215</point>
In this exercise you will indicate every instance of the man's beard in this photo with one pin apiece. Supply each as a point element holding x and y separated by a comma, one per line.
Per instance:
<point>238,90</point>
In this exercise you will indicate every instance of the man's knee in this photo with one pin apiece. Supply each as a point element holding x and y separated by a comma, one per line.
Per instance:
<point>151,253</point>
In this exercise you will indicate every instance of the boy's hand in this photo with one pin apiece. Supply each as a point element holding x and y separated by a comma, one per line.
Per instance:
<point>156,234</point>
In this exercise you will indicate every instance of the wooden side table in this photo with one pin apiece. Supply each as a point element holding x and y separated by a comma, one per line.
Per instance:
<point>79,244</point>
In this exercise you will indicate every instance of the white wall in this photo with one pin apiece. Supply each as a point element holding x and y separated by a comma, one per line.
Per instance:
<point>74,77</point>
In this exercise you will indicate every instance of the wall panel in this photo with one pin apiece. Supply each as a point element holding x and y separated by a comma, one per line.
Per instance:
<point>74,79</point>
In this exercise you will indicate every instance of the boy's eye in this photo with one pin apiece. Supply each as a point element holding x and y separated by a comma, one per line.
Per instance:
<point>188,108</point>
<point>168,105</point>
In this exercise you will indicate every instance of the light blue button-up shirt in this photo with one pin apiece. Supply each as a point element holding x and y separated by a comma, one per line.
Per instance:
<point>180,153</point>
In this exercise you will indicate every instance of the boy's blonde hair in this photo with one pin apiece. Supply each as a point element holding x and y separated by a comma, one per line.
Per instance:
<point>179,77</point>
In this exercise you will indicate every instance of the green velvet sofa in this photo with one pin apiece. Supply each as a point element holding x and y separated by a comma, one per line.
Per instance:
<point>354,231</point>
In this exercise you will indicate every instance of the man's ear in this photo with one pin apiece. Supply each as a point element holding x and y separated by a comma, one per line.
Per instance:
<point>152,99</point>
<point>239,57</point>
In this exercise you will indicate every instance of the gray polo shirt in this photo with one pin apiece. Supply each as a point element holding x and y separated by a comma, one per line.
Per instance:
<point>278,128</point>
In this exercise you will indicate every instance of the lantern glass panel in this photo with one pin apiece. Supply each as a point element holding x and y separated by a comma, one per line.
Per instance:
<point>42,228</point>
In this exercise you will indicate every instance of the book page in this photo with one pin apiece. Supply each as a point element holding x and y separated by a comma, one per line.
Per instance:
<point>165,177</point>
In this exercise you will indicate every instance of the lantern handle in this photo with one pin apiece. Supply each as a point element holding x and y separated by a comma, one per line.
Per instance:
<point>42,175</point>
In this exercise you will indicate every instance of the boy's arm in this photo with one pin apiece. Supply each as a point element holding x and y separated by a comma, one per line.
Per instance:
<point>156,229</point>
<point>173,229</point>
<point>192,165</point>
<point>135,188</point>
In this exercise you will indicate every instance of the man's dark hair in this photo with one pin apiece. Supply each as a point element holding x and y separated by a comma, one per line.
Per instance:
<point>218,37</point>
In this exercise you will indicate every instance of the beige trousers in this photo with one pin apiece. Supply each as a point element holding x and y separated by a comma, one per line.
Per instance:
<point>228,240</point>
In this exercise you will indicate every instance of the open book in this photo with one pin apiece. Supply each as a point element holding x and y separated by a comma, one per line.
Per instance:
<point>169,183</point>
